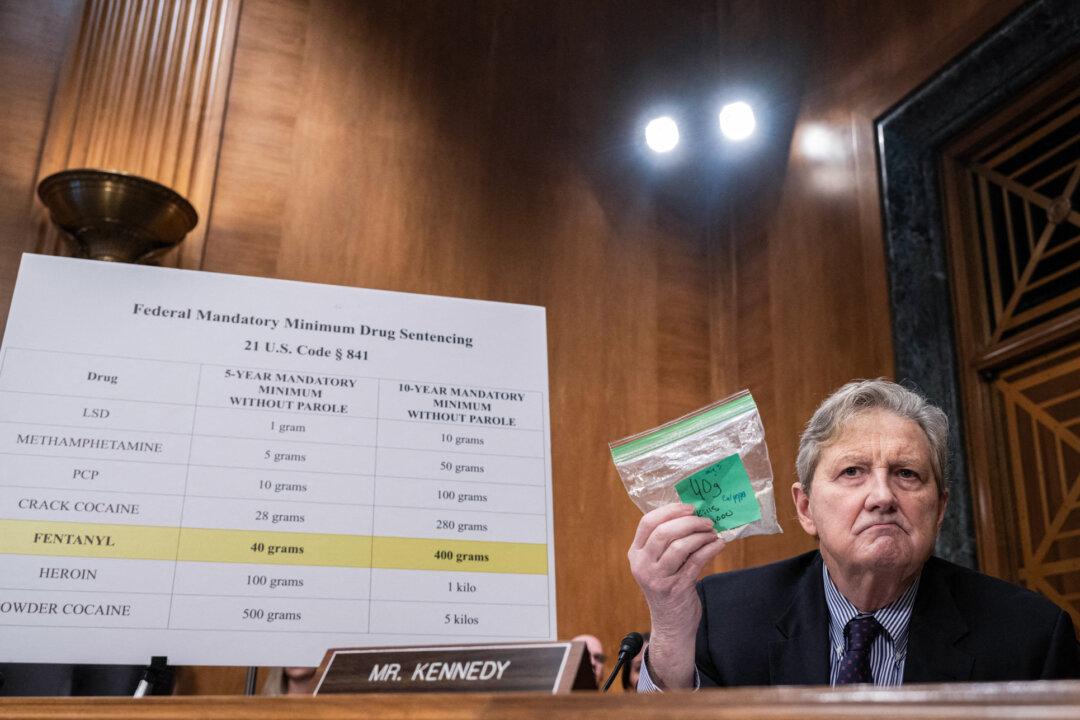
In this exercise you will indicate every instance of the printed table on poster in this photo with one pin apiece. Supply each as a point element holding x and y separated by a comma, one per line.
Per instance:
<point>241,471</point>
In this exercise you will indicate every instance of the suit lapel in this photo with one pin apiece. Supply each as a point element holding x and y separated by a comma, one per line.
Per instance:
<point>936,626</point>
<point>801,657</point>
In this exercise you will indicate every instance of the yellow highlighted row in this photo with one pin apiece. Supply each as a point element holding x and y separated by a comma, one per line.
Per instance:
<point>144,542</point>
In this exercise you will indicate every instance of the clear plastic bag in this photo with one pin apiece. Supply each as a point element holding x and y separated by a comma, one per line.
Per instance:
<point>651,463</point>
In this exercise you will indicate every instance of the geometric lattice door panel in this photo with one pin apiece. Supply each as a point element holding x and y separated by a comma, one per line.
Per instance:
<point>1041,404</point>
<point>1025,194</point>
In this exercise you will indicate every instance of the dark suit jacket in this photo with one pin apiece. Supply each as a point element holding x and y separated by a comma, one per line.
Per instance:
<point>770,626</point>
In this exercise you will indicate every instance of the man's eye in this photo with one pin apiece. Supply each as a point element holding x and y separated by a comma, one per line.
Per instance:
<point>907,474</point>
<point>850,471</point>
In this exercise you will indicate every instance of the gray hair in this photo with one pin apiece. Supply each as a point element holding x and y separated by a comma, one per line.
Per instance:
<point>859,396</point>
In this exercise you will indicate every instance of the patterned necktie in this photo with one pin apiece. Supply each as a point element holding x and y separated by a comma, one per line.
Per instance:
<point>855,665</point>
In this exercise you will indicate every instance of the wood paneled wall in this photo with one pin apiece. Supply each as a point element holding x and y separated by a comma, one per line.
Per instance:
<point>430,148</point>
<point>486,149</point>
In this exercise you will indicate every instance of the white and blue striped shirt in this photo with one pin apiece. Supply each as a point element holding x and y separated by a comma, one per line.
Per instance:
<point>887,654</point>
<point>889,650</point>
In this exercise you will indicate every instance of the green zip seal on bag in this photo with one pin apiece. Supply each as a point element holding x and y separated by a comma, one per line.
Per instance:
<point>717,413</point>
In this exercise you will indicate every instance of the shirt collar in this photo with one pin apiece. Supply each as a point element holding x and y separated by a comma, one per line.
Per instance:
<point>894,617</point>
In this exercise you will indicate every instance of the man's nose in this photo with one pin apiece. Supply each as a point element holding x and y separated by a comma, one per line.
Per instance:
<point>880,495</point>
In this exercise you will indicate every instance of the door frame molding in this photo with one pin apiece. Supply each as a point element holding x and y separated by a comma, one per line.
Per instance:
<point>1030,42</point>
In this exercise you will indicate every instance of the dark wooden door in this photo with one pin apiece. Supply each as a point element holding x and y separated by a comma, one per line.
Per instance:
<point>1012,198</point>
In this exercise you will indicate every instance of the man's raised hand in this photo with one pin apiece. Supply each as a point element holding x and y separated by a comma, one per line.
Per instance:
<point>670,549</point>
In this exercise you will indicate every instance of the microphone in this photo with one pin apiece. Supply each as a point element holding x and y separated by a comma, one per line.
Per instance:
<point>628,650</point>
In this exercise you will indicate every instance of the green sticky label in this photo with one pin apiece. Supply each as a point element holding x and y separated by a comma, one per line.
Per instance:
<point>722,493</point>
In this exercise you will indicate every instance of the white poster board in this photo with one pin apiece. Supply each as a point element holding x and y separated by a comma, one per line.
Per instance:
<point>242,471</point>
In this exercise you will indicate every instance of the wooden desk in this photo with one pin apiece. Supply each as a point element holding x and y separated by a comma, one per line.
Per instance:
<point>1043,700</point>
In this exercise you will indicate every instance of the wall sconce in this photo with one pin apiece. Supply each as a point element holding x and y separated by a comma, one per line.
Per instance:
<point>117,217</point>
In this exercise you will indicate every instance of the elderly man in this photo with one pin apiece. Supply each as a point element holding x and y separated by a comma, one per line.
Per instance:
<point>871,604</point>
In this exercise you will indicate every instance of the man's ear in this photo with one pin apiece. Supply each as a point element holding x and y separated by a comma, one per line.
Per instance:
<point>941,510</point>
<point>802,507</point>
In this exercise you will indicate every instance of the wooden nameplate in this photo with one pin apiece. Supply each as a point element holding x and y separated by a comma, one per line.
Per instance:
<point>555,667</point>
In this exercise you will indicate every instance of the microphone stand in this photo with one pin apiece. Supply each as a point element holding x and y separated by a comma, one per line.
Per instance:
<point>158,674</point>
<point>628,650</point>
